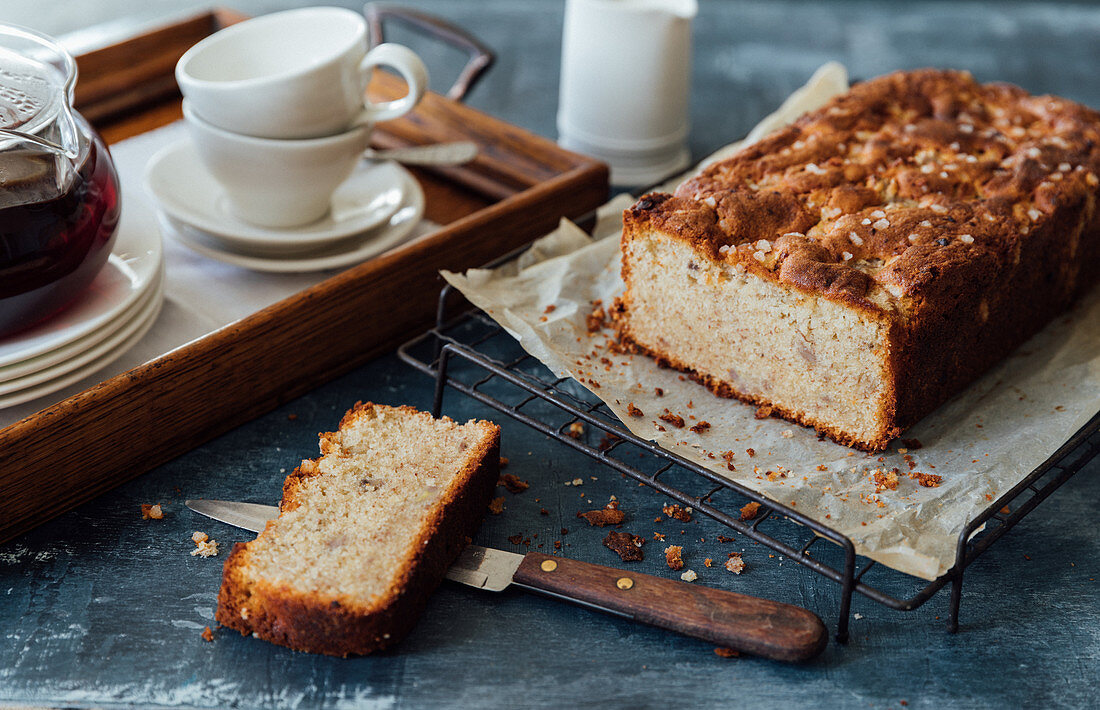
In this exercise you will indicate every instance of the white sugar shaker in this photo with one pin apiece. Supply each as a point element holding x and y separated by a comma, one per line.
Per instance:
<point>625,85</point>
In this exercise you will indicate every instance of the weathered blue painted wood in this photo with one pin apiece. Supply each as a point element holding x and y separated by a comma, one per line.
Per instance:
<point>102,608</point>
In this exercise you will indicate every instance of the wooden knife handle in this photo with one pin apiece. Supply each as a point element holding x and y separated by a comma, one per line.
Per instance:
<point>758,626</point>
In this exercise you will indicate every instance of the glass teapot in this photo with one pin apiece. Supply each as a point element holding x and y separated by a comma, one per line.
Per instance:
<point>59,193</point>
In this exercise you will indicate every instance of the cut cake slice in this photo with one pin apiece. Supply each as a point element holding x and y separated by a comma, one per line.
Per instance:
<point>365,532</point>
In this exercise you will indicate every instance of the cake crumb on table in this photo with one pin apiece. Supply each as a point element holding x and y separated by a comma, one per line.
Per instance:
<point>576,430</point>
<point>700,427</point>
<point>634,411</point>
<point>674,557</point>
<point>151,511</point>
<point>735,564</point>
<point>496,505</point>
<point>689,576</point>
<point>749,510</point>
<point>513,483</point>
<point>726,652</point>
<point>708,562</point>
<point>676,512</point>
<point>628,547</point>
<point>204,546</point>
<point>603,516</point>
<point>207,634</point>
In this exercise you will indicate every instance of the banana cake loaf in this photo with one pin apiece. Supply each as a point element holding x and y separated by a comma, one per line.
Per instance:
<point>364,534</point>
<point>857,268</point>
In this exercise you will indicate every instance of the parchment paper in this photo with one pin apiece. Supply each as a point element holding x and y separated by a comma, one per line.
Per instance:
<point>982,442</point>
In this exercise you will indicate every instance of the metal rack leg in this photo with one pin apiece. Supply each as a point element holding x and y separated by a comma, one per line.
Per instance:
<point>956,602</point>
<point>847,586</point>
<point>440,381</point>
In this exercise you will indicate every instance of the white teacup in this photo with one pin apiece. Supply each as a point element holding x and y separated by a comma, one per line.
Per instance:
<point>276,183</point>
<point>295,74</point>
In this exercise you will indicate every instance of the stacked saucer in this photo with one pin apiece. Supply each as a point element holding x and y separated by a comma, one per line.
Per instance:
<point>110,318</point>
<point>374,209</point>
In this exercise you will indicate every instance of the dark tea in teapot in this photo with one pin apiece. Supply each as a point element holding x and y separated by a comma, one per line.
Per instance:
<point>59,197</point>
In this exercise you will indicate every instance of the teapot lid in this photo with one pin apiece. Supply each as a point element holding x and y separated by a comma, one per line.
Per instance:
<point>36,79</point>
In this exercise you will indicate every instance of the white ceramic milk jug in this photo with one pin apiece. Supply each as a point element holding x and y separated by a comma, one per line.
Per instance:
<point>625,84</point>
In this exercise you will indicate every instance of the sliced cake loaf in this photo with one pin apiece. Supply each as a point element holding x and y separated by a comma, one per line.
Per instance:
<point>856,269</point>
<point>365,533</point>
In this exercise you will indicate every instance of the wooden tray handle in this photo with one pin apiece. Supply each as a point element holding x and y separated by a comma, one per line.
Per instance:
<point>758,626</point>
<point>480,56</point>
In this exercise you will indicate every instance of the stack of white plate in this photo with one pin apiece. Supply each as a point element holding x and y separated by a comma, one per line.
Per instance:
<point>374,209</point>
<point>108,319</point>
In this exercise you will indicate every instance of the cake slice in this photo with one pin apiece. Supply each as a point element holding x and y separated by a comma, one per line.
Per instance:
<point>365,533</point>
<point>856,269</point>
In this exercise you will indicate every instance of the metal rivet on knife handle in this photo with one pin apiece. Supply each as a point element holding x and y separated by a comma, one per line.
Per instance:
<point>624,583</point>
<point>549,565</point>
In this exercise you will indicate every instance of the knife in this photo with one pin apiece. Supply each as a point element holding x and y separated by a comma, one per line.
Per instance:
<point>758,626</point>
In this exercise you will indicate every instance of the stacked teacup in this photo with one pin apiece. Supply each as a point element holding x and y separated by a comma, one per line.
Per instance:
<point>277,108</point>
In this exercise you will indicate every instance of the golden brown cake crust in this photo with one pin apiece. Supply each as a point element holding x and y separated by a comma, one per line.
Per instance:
<point>341,626</point>
<point>961,214</point>
<point>969,170</point>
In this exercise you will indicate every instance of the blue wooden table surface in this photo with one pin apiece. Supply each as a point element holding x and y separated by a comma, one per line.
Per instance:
<point>102,608</point>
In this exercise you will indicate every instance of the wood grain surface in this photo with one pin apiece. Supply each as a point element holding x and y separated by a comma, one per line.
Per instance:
<point>754,625</point>
<point>54,460</point>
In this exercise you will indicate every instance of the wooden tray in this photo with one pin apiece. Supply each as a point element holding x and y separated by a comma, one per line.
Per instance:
<point>516,190</point>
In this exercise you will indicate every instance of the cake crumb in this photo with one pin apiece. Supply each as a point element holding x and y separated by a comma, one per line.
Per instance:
<point>596,320</point>
<point>763,411</point>
<point>634,411</point>
<point>674,419</point>
<point>207,635</point>
<point>673,557</point>
<point>659,536</point>
<point>544,511</point>
<point>516,539</point>
<point>708,562</point>
<point>204,547</point>
<point>607,440</point>
<point>700,427</point>
<point>928,480</point>
<point>503,462</point>
<point>689,576</point>
<point>735,564</point>
<point>603,516</point>
<point>576,430</point>
<point>885,480</point>
<point>658,391</point>
<point>628,547</point>
<point>496,505</point>
<point>151,512</point>
<point>676,512</point>
<point>788,434</point>
<point>726,652</point>
<point>512,483</point>
<point>749,510</point>
<point>750,452</point>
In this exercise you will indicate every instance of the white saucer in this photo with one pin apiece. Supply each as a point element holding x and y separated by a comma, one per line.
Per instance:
<point>78,347</point>
<point>120,344</point>
<point>185,191</point>
<point>134,263</point>
<point>343,253</point>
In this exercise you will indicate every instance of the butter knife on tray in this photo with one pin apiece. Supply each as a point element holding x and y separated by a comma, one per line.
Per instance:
<point>758,626</point>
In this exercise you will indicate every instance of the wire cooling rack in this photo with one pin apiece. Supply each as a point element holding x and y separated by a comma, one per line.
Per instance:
<point>475,356</point>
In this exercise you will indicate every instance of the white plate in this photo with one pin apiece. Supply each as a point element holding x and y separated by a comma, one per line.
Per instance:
<point>185,191</point>
<point>134,262</point>
<point>134,332</point>
<point>76,347</point>
<point>341,254</point>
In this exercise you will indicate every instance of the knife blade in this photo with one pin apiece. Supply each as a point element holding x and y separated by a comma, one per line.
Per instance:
<point>758,626</point>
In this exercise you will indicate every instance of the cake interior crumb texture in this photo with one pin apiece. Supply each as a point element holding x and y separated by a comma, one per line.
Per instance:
<point>365,532</point>
<point>856,269</point>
